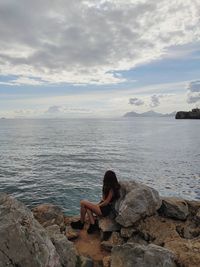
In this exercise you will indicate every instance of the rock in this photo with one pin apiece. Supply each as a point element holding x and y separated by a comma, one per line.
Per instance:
<point>136,202</point>
<point>107,261</point>
<point>106,224</point>
<point>131,254</point>
<point>194,206</point>
<point>194,114</point>
<point>71,233</point>
<point>197,217</point>
<point>48,214</point>
<point>114,240</point>
<point>187,251</point>
<point>24,242</point>
<point>65,248</point>
<point>127,232</point>
<point>84,262</point>
<point>188,231</point>
<point>139,239</point>
<point>174,208</point>
<point>52,230</point>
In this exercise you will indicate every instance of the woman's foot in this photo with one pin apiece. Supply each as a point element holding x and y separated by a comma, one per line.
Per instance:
<point>77,225</point>
<point>92,228</point>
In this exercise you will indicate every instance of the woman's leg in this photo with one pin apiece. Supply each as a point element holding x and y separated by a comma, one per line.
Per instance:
<point>83,211</point>
<point>86,205</point>
<point>91,217</point>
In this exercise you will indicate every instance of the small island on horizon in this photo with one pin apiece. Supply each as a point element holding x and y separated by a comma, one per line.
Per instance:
<point>149,113</point>
<point>194,114</point>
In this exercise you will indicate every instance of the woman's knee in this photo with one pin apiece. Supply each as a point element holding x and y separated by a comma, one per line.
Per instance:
<point>83,202</point>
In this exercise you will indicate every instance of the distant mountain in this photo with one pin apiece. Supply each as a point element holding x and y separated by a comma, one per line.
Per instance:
<point>149,113</point>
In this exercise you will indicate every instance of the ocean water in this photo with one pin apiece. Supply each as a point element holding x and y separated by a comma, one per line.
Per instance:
<point>62,161</point>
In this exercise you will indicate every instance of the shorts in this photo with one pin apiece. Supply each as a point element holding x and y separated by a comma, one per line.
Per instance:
<point>105,210</point>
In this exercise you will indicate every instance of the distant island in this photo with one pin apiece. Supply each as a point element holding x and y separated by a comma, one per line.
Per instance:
<point>194,114</point>
<point>149,113</point>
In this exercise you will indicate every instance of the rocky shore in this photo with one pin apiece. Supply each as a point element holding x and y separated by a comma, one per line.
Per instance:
<point>147,231</point>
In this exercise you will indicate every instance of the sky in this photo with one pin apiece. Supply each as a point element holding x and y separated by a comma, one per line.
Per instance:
<point>88,58</point>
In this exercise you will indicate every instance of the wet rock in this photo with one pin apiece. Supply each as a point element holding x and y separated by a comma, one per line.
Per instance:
<point>48,214</point>
<point>136,202</point>
<point>136,255</point>
<point>174,208</point>
<point>24,242</point>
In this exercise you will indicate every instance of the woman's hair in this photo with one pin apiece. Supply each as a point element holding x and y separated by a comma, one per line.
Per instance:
<point>110,182</point>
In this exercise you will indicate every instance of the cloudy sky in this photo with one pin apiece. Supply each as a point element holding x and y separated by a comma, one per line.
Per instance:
<point>88,58</point>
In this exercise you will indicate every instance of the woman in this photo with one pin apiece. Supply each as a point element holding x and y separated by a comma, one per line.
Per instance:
<point>110,193</point>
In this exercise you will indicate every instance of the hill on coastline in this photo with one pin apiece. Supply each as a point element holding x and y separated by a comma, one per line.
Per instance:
<point>149,113</point>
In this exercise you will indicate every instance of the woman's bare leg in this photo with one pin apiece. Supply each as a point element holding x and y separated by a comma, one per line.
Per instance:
<point>91,217</point>
<point>90,206</point>
<point>83,212</point>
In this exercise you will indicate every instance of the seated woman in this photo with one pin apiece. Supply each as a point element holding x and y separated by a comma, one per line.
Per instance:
<point>110,193</point>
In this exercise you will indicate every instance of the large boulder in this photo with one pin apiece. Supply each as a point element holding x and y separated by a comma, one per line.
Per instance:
<point>132,254</point>
<point>48,214</point>
<point>136,202</point>
<point>175,208</point>
<point>23,241</point>
<point>64,247</point>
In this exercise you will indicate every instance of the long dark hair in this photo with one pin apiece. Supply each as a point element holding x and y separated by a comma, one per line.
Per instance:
<point>110,182</point>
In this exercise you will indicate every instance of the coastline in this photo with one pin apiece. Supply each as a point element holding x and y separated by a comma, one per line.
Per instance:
<point>167,228</point>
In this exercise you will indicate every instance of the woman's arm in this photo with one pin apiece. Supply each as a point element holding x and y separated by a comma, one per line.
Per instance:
<point>107,200</point>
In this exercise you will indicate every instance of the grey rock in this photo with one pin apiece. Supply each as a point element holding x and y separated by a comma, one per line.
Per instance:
<point>114,240</point>
<point>64,248</point>
<point>176,208</point>
<point>137,238</point>
<point>106,224</point>
<point>127,232</point>
<point>52,230</point>
<point>49,214</point>
<point>23,241</point>
<point>136,255</point>
<point>84,262</point>
<point>198,216</point>
<point>136,202</point>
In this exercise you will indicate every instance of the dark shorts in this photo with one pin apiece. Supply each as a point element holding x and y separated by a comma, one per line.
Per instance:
<point>105,210</point>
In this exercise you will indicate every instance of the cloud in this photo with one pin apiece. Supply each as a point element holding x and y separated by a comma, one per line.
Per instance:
<point>193,95</point>
<point>62,109</point>
<point>155,101</point>
<point>194,86</point>
<point>136,101</point>
<point>193,98</point>
<point>87,42</point>
<point>54,109</point>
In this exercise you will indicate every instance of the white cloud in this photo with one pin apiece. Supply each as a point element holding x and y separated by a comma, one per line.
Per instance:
<point>155,101</point>
<point>136,101</point>
<point>193,95</point>
<point>84,42</point>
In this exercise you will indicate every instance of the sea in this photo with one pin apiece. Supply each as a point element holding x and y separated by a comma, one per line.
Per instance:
<point>62,161</point>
